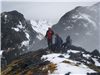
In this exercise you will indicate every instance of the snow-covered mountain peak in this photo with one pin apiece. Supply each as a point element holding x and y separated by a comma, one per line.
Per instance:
<point>40,26</point>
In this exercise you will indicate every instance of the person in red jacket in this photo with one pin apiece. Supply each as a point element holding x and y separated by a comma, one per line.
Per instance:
<point>49,35</point>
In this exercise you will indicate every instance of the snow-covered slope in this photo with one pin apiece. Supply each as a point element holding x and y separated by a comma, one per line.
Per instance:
<point>40,27</point>
<point>63,68</point>
<point>65,64</point>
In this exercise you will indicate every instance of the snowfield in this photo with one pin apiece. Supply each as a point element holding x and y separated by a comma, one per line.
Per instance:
<point>70,65</point>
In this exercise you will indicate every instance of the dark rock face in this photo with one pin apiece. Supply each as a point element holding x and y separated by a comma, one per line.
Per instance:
<point>10,38</point>
<point>81,23</point>
<point>76,56</point>
<point>95,53</point>
<point>16,35</point>
<point>15,30</point>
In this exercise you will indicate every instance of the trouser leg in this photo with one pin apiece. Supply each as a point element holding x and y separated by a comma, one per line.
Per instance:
<point>49,43</point>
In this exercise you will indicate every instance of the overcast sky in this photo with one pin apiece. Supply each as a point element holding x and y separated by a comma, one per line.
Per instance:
<point>51,11</point>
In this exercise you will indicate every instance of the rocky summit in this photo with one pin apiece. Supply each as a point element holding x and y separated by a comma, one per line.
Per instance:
<point>74,60</point>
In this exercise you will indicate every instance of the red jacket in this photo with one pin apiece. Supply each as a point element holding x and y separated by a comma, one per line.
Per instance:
<point>49,34</point>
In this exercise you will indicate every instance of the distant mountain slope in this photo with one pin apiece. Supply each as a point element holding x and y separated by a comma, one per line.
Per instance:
<point>40,26</point>
<point>82,24</point>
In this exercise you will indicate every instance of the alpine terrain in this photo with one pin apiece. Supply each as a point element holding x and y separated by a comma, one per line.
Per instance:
<point>24,48</point>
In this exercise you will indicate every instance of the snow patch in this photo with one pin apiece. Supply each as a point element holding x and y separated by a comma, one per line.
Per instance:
<point>1,51</point>
<point>73,51</point>
<point>75,16</point>
<point>68,28</point>
<point>27,35</point>
<point>16,29</point>
<point>5,16</point>
<point>87,17</point>
<point>26,42</point>
<point>96,62</point>
<point>40,36</point>
<point>86,56</point>
<point>20,25</point>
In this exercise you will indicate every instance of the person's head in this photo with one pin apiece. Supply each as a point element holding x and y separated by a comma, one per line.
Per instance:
<point>49,28</point>
<point>68,38</point>
<point>57,34</point>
